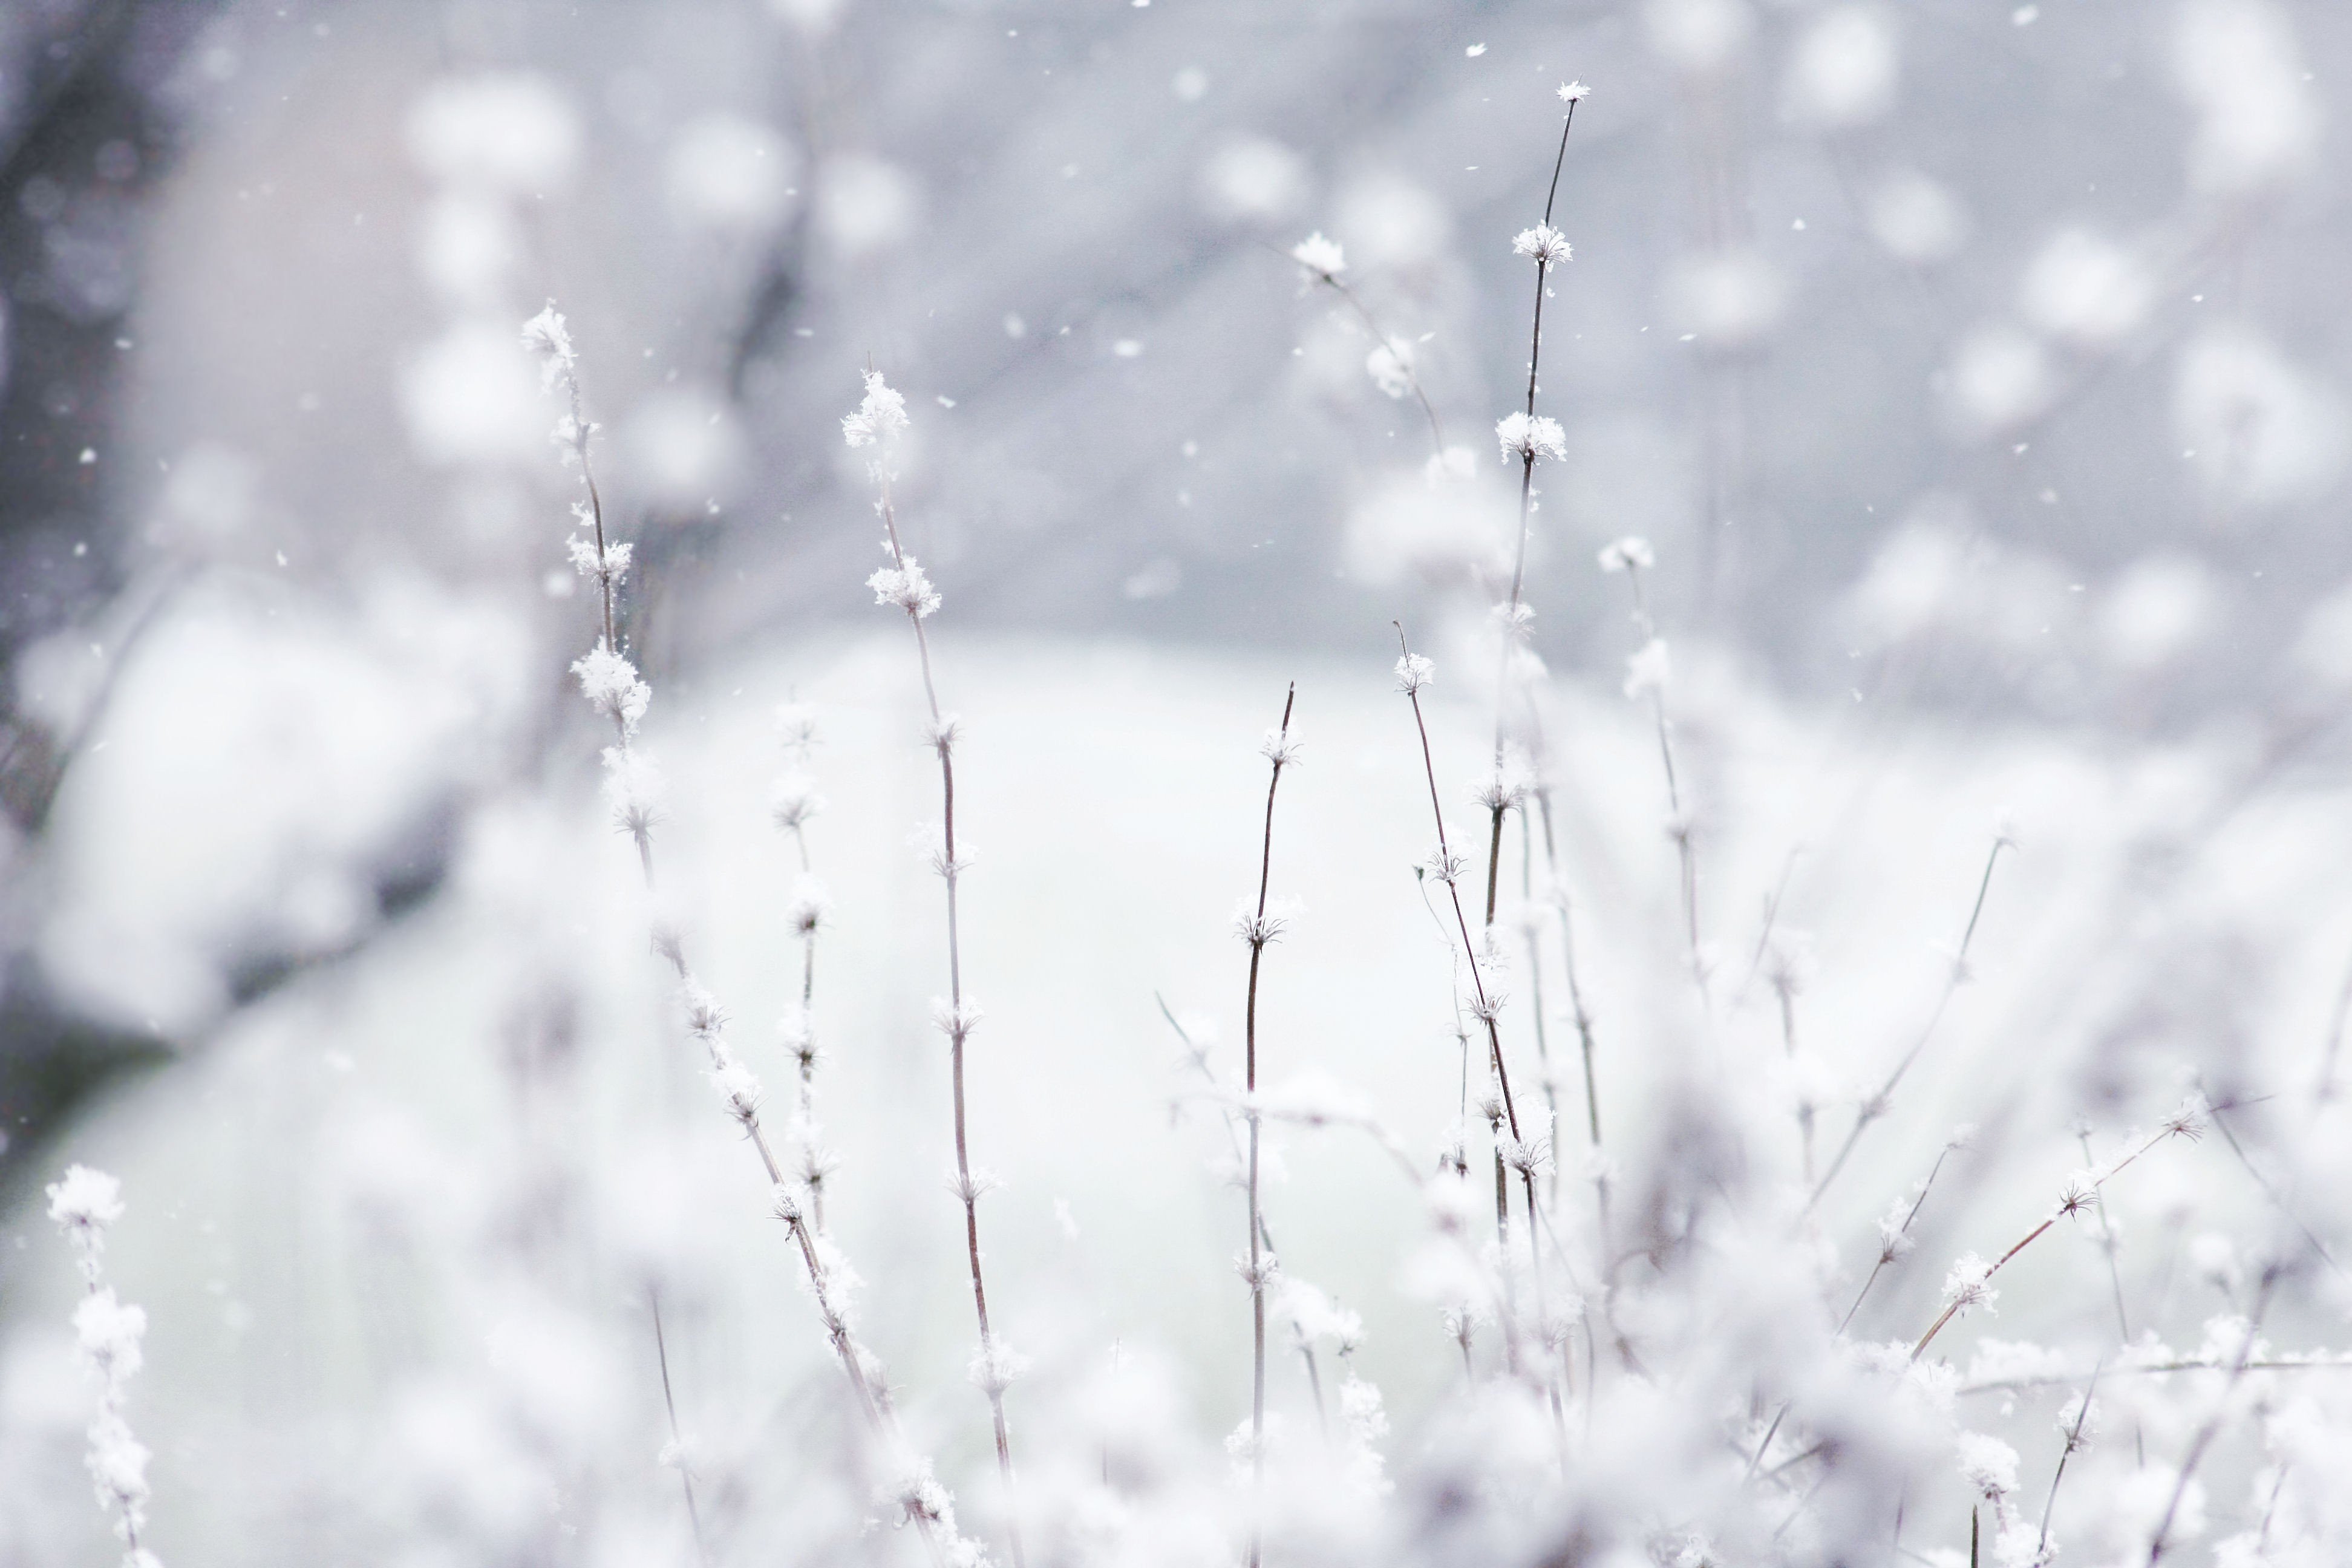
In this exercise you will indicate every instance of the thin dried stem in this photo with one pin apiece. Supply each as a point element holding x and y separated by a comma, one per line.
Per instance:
<point>1259,934</point>
<point>2212,1427</point>
<point>1876,1106</point>
<point>2076,1199</point>
<point>2074,1441</point>
<point>959,1028</point>
<point>1488,1006</point>
<point>677,1442</point>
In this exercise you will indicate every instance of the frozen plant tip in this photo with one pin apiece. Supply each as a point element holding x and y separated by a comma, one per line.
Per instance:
<point>106,1333</point>
<point>878,421</point>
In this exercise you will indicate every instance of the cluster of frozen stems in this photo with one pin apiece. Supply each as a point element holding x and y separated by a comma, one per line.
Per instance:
<point>1574,1330</point>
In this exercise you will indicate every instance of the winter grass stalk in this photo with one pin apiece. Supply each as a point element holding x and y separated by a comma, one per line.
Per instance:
<point>876,425</point>
<point>1258,929</point>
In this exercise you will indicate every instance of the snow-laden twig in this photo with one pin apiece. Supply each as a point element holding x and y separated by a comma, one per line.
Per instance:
<point>876,428</point>
<point>85,1204</point>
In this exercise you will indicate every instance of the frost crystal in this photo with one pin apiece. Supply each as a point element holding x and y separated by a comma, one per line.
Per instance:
<point>1528,439</point>
<point>1544,242</point>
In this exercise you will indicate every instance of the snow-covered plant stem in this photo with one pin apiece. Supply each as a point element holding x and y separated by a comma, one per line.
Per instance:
<point>84,1203</point>
<point>1527,438</point>
<point>1196,1051</point>
<point>1259,930</point>
<point>1323,262</point>
<point>1872,1108</point>
<point>795,800</point>
<point>1540,790</point>
<point>614,689</point>
<point>1647,676</point>
<point>679,1454</point>
<point>1413,672</point>
<point>2066,1452</point>
<point>879,421</point>
<point>2212,1427</point>
<point>1968,1284</point>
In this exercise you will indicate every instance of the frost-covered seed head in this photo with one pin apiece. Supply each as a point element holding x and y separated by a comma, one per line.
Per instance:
<point>106,1333</point>
<point>995,1366</point>
<point>1632,553</point>
<point>1501,791</point>
<point>1572,91</point>
<point>794,801</point>
<point>1528,439</point>
<point>1649,670</point>
<point>1322,258</point>
<point>796,728</point>
<point>1966,1287</point>
<point>84,1202</point>
<point>611,685</point>
<point>706,1019</point>
<point>547,336</point>
<point>880,417</point>
<point>739,1090</point>
<point>1257,928</point>
<point>1544,242</point>
<point>608,567</point>
<point>955,1020</point>
<point>811,909</point>
<point>1282,747</point>
<point>1415,672</point>
<point>969,1189</point>
<point>905,588</point>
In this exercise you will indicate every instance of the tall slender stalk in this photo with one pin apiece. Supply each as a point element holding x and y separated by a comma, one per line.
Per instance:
<point>611,686</point>
<point>904,585</point>
<point>1257,930</point>
<point>1545,245</point>
<point>677,1441</point>
<point>1623,556</point>
<point>2212,1427</point>
<point>1413,674</point>
<point>2074,1441</point>
<point>1874,1107</point>
<point>1197,1052</point>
